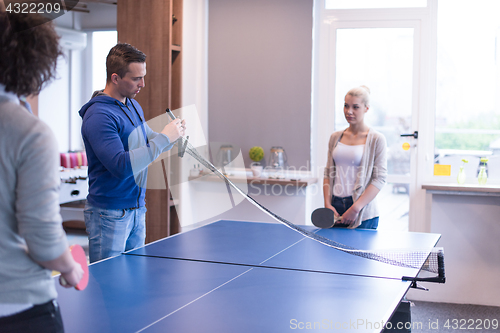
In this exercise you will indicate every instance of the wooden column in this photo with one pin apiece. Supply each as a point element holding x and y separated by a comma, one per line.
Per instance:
<point>154,27</point>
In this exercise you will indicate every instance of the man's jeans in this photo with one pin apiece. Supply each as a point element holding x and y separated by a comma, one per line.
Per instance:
<point>113,231</point>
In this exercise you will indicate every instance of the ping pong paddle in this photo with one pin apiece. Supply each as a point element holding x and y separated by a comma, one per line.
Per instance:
<point>324,218</point>
<point>79,256</point>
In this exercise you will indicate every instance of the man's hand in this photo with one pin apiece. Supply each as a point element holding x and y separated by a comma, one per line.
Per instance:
<point>175,129</point>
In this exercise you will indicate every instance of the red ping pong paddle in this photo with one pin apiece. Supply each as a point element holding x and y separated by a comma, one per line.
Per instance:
<point>79,256</point>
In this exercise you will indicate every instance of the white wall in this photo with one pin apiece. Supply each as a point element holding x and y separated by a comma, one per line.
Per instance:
<point>194,95</point>
<point>194,58</point>
<point>470,229</point>
<point>53,103</point>
<point>59,101</point>
<point>213,203</point>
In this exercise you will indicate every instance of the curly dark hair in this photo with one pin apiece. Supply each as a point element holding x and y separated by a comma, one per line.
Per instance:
<point>29,48</point>
<point>119,57</point>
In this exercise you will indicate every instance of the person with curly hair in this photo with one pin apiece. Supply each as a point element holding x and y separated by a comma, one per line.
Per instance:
<point>32,240</point>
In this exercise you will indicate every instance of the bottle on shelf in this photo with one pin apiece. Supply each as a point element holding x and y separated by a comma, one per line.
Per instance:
<point>461,173</point>
<point>482,176</point>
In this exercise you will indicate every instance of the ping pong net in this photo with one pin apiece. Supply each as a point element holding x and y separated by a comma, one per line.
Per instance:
<point>417,259</point>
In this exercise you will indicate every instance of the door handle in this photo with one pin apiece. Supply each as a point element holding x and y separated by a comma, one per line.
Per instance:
<point>414,134</point>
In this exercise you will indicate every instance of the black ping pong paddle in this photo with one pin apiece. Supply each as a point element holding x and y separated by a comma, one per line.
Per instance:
<point>323,218</point>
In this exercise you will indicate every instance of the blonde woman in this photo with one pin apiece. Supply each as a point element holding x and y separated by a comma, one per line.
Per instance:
<point>356,169</point>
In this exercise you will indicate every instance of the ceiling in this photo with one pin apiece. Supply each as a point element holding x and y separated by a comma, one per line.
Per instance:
<point>82,6</point>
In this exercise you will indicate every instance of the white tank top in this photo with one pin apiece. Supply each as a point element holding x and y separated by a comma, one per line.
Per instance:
<point>347,161</point>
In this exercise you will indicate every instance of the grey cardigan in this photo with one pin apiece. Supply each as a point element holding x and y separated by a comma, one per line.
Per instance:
<point>30,224</point>
<point>373,170</point>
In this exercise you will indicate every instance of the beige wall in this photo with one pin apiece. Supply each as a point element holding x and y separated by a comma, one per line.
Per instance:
<point>470,230</point>
<point>259,75</point>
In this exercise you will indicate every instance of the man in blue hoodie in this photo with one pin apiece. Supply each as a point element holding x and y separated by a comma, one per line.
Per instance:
<point>115,211</point>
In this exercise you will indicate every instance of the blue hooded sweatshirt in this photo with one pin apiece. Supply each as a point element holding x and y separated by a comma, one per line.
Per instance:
<point>117,160</point>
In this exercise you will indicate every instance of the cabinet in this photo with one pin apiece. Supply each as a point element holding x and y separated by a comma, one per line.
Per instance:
<point>155,28</point>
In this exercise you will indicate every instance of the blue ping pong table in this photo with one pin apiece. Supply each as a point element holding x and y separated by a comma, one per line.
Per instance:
<point>232,276</point>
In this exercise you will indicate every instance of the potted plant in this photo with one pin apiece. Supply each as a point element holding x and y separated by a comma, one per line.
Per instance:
<point>256,155</point>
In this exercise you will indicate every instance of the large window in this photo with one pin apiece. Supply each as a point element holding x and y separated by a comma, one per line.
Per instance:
<point>383,60</point>
<point>386,67</point>
<point>359,4</point>
<point>467,124</point>
<point>102,42</point>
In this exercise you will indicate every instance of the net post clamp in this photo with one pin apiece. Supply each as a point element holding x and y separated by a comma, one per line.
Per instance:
<point>435,279</point>
<point>440,278</point>
<point>182,147</point>
<point>414,284</point>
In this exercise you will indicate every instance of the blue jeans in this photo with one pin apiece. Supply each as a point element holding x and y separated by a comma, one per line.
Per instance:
<point>341,205</point>
<point>114,231</point>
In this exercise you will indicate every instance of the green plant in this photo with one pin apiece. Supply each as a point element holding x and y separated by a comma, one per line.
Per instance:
<point>256,153</point>
<point>470,141</point>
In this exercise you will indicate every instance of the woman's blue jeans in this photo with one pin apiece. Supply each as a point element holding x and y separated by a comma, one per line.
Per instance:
<point>341,205</point>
